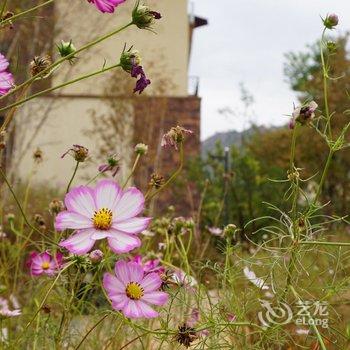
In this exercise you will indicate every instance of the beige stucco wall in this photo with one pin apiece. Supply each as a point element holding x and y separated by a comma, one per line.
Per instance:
<point>54,125</point>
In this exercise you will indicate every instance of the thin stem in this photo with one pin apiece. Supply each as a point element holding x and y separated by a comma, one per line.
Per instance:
<point>61,60</point>
<point>132,170</point>
<point>91,329</point>
<point>337,244</point>
<point>174,175</point>
<point>312,324</point>
<point>73,176</point>
<point>21,209</point>
<point>11,19</point>
<point>70,82</point>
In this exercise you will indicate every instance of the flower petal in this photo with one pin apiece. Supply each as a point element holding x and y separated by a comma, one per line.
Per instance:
<point>135,271</point>
<point>107,194</point>
<point>80,243</point>
<point>130,204</point>
<point>156,298</point>
<point>68,219</point>
<point>113,285</point>
<point>151,282</point>
<point>123,242</point>
<point>133,225</point>
<point>121,270</point>
<point>81,200</point>
<point>119,302</point>
<point>139,309</point>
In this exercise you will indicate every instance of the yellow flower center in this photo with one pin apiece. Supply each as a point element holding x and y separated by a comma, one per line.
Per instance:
<point>45,265</point>
<point>134,291</point>
<point>103,219</point>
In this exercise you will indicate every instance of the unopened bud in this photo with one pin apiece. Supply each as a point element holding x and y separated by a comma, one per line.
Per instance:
<point>331,21</point>
<point>96,256</point>
<point>66,48</point>
<point>141,149</point>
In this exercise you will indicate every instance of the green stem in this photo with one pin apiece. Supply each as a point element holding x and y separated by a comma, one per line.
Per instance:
<point>61,60</point>
<point>21,209</point>
<point>337,244</point>
<point>11,19</point>
<point>313,326</point>
<point>173,176</point>
<point>132,170</point>
<point>73,176</point>
<point>70,82</point>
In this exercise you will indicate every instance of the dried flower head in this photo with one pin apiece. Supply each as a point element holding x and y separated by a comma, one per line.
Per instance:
<point>56,206</point>
<point>40,64</point>
<point>66,48</point>
<point>143,17</point>
<point>39,220</point>
<point>157,181</point>
<point>331,21</point>
<point>186,335</point>
<point>79,153</point>
<point>38,156</point>
<point>175,136</point>
<point>141,149</point>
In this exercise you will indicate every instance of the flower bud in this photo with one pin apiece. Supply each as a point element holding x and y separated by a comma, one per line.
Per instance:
<point>141,149</point>
<point>10,217</point>
<point>129,59</point>
<point>39,64</point>
<point>143,17</point>
<point>56,206</point>
<point>96,256</point>
<point>331,47</point>
<point>331,21</point>
<point>230,230</point>
<point>67,48</point>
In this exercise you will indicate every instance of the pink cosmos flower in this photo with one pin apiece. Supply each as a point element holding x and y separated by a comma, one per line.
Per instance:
<point>44,263</point>
<point>5,309</point>
<point>6,78</point>
<point>107,211</point>
<point>106,5</point>
<point>131,290</point>
<point>150,265</point>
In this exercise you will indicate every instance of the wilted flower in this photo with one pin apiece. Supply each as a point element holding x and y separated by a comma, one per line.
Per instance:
<point>5,309</point>
<point>107,211</point>
<point>7,17</point>
<point>106,6</point>
<point>6,78</point>
<point>130,61</point>
<point>150,265</point>
<point>143,17</point>
<point>66,48</point>
<point>175,136</point>
<point>111,166</point>
<point>44,263</point>
<point>40,221</point>
<point>131,290</point>
<point>157,181</point>
<point>303,114</point>
<point>56,206</point>
<point>39,64</point>
<point>79,153</point>
<point>96,256</point>
<point>38,156</point>
<point>251,276</point>
<point>186,335</point>
<point>141,149</point>
<point>331,21</point>
<point>181,278</point>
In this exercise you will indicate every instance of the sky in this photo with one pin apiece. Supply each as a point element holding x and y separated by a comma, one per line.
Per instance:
<point>245,42</point>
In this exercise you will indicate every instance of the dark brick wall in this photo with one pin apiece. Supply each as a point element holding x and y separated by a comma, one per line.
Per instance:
<point>153,118</point>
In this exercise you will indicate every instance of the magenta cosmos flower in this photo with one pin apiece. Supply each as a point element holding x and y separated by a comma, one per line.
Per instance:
<point>107,211</point>
<point>6,78</point>
<point>44,263</point>
<point>106,5</point>
<point>131,290</point>
<point>150,265</point>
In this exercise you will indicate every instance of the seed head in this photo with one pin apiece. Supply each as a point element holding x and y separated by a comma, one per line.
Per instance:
<point>38,156</point>
<point>156,181</point>
<point>141,149</point>
<point>186,335</point>
<point>79,153</point>
<point>56,206</point>
<point>39,64</point>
